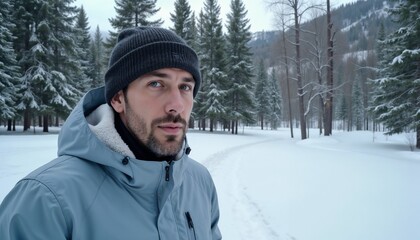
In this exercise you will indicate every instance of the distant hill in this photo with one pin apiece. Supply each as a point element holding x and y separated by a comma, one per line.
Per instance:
<point>356,25</point>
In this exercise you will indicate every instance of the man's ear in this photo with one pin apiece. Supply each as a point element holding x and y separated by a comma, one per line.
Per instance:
<point>118,102</point>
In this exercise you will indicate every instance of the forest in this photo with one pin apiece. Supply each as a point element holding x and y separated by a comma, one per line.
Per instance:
<point>354,67</point>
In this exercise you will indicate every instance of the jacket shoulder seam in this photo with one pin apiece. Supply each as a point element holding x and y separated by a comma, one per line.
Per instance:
<point>55,197</point>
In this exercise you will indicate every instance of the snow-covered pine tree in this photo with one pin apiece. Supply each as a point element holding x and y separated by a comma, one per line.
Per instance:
<point>83,41</point>
<point>381,52</point>
<point>240,85</point>
<point>198,112</point>
<point>358,108</point>
<point>213,62</point>
<point>275,100</point>
<point>396,103</point>
<point>66,67</point>
<point>45,41</point>
<point>262,94</point>
<point>9,69</point>
<point>193,33</point>
<point>23,16</point>
<point>181,19</point>
<point>341,109</point>
<point>97,54</point>
<point>131,13</point>
<point>213,107</point>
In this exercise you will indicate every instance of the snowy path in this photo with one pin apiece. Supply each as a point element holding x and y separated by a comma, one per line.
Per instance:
<point>272,187</point>
<point>236,203</point>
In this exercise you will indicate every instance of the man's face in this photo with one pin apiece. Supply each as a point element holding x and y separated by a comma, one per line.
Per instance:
<point>156,109</point>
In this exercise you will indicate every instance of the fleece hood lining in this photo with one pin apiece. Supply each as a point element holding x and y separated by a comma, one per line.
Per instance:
<point>101,123</point>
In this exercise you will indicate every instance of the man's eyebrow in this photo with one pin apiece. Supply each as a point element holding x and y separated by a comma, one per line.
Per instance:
<point>164,75</point>
<point>188,79</point>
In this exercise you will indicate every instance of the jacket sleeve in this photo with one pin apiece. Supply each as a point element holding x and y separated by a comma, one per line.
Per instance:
<point>31,211</point>
<point>216,235</point>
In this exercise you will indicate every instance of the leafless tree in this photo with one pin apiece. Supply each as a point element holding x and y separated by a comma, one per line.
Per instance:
<point>296,10</point>
<point>330,81</point>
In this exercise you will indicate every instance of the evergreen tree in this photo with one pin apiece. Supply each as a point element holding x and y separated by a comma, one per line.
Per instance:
<point>212,53</point>
<point>66,69</point>
<point>9,69</point>
<point>97,53</point>
<point>213,107</point>
<point>193,33</point>
<point>181,19</point>
<point>47,57</point>
<point>24,15</point>
<point>396,102</point>
<point>342,112</point>
<point>275,100</point>
<point>198,109</point>
<point>358,109</point>
<point>131,13</point>
<point>262,93</point>
<point>83,39</point>
<point>381,52</point>
<point>240,69</point>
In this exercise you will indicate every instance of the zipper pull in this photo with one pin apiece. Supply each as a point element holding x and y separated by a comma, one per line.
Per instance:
<point>189,220</point>
<point>167,170</point>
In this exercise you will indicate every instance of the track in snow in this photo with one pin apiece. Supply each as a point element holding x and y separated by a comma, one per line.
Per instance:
<point>247,221</point>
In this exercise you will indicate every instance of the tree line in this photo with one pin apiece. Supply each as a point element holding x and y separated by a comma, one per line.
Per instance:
<point>48,59</point>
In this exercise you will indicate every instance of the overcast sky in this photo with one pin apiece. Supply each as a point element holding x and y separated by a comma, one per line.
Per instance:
<point>259,14</point>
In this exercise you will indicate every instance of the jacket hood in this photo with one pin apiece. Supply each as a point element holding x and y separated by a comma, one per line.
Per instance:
<point>89,134</point>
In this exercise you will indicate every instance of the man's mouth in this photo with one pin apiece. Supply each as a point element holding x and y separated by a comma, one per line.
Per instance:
<point>171,128</point>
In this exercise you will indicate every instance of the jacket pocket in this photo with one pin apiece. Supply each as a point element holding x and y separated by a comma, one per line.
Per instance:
<point>190,223</point>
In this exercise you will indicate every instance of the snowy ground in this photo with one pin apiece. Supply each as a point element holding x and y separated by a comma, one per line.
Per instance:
<point>355,185</point>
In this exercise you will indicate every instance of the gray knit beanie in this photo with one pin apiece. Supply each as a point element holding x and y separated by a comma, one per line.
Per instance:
<point>141,50</point>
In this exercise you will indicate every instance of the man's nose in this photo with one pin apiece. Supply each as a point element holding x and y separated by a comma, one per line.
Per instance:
<point>175,102</point>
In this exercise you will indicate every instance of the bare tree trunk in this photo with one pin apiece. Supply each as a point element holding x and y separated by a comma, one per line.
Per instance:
<point>418,138</point>
<point>329,95</point>
<point>321,115</point>
<point>287,79</point>
<point>26,120</point>
<point>191,123</point>
<point>231,126</point>
<point>203,124</point>
<point>57,120</point>
<point>9,125</point>
<point>299,74</point>
<point>211,124</point>
<point>45,123</point>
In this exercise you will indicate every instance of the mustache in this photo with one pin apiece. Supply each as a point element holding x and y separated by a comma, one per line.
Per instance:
<point>170,119</point>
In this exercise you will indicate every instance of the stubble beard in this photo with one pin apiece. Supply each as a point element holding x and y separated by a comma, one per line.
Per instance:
<point>168,147</point>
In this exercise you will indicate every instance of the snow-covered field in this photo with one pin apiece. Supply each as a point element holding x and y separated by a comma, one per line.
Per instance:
<point>351,186</point>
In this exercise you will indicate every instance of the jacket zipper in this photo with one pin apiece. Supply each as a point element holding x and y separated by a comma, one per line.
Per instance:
<point>190,223</point>
<point>167,171</point>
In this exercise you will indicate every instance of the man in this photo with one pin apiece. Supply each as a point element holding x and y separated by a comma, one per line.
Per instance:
<point>123,170</point>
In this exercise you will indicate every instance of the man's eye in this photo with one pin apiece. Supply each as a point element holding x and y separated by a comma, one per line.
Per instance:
<point>186,87</point>
<point>155,84</point>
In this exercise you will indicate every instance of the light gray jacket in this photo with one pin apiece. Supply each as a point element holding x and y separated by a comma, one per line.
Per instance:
<point>96,189</point>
